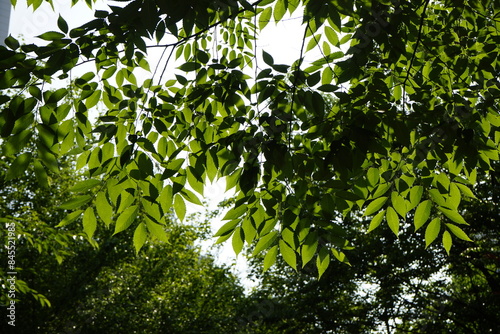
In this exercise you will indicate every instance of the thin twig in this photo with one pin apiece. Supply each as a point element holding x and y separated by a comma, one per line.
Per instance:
<point>419,37</point>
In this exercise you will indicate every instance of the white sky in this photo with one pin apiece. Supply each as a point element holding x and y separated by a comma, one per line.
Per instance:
<point>282,41</point>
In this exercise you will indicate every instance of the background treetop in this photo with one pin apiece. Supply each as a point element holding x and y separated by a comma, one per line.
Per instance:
<point>393,120</point>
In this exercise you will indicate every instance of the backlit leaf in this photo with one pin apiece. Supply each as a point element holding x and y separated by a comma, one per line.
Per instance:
<point>140,236</point>
<point>453,215</point>
<point>75,202</point>
<point>322,261</point>
<point>308,248</point>
<point>179,207</point>
<point>265,241</point>
<point>422,214</point>
<point>392,220</point>
<point>238,240</point>
<point>18,166</point>
<point>71,217</point>
<point>375,206</point>
<point>375,222</point>
<point>265,17</point>
<point>447,241</point>
<point>89,222</point>
<point>270,257</point>
<point>104,209</point>
<point>457,231</point>
<point>126,218</point>
<point>432,231</point>
<point>288,254</point>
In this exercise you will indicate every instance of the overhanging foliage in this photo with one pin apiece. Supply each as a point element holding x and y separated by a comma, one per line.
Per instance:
<point>396,126</point>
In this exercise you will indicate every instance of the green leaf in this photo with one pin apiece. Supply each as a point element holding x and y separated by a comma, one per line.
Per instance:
<point>84,185</point>
<point>108,73</point>
<point>126,218</point>
<point>156,230</point>
<point>166,198</point>
<point>248,229</point>
<point>235,212</point>
<point>268,59</point>
<point>309,247</point>
<point>381,189</point>
<point>89,222</point>
<point>322,261</point>
<point>270,257</point>
<point>51,36</point>
<point>194,182</point>
<point>71,217</point>
<point>313,42</point>
<point>93,99</point>
<point>432,231</point>
<point>375,222</point>
<point>437,197</point>
<point>415,196</point>
<point>11,42</point>
<point>422,213</point>
<point>465,190</point>
<point>454,197</point>
<point>457,231</point>
<point>373,176</point>
<point>453,215</point>
<point>104,209</point>
<point>75,202</point>
<point>447,241</point>
<point>179,207</point>
<point>18,166</point>
<point>375,206</point>
<point>40,174</point>
<point>190,196</point>
<point>264,242</point>
<point>443,180</point>
<point>279,10</point>
<point>399,204</point>
<point>331,35</point>
<point>140,236</point>
<point>288,254</point>
<point>238,240</point>
<point>61,23</point>
<point>392,220</point>
<point>340,256</point>
<point>190,66</point>
<point>227,228</point>
<point>265,17</point>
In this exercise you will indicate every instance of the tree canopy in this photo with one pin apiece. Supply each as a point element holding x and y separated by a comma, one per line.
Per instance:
<point>65,285</point>
<point>394,120</point>
<point>394,287</point>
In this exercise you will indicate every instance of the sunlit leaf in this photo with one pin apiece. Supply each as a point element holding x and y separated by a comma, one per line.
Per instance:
<point>392,220</point>
<point>140,236</point>
<point>447,241</point>
<point>457,231</point>
<point>89,222</point>
<point>75,202</point>
<point>432,231</point>
<point>422,214</point>
<point>288,254</point>
<point>126,218</point>
<point>179,207</point>
<point>270,257</point>
<point>322,261</point>
<point>375,206</point>
<point>376,220</point>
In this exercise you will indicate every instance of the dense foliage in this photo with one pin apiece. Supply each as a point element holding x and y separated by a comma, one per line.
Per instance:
<point>414,117</point>
<point>65,285</point>
<point>394,287</point>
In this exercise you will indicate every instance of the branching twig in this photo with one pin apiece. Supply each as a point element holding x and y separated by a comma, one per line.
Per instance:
<point>419,37</point>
